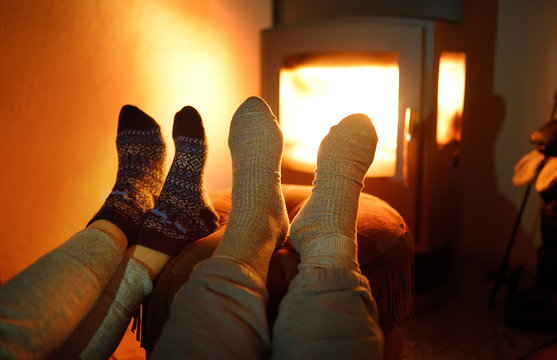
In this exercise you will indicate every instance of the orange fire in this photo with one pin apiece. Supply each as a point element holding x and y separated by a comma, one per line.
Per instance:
<point>450,99</point>
<point>319,91</point>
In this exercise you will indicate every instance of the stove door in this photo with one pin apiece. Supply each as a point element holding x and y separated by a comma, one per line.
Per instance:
<point>314,75</point>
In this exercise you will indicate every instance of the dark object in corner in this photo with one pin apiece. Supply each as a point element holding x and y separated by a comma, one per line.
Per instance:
<point>532,309</point>
<point>536,308</point>
<point>545,138</point>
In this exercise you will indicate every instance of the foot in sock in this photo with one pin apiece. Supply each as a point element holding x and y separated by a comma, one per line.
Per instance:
<point>141,155</point>
<point>258,221</point>
<point>183,212</point>
<point>324,231</point>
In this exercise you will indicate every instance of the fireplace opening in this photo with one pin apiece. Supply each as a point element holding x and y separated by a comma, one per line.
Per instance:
<point>318,89</point>
<point>315,74</point>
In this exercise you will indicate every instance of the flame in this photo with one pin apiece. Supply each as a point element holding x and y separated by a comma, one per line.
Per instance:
<point>315,97</point>
<point>450,98</point>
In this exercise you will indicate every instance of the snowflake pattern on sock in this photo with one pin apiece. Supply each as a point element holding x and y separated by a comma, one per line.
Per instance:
<point>183,212</point>
<point>177,213</point>
<point>140,176</point>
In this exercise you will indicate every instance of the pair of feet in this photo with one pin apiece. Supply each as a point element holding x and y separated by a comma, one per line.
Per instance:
<point>324,230</point>
<point>160,214</point>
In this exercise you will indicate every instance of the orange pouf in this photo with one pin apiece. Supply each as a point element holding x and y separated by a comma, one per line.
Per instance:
<point>385,255</point>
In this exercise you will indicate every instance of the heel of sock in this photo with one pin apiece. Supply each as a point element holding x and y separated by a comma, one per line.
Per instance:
<point>170,236</point>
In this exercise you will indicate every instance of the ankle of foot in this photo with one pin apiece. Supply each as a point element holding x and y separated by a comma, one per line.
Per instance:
<point>115,233</point>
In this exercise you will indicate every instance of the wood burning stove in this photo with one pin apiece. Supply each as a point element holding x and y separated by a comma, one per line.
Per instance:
<point>324,60</point>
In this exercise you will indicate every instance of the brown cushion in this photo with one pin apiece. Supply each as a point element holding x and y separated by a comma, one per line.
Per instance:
<point>385,254</point>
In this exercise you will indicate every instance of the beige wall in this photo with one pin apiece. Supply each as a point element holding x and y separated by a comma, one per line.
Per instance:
<point>66,68</point>
<point>511,77</point>
<point>521,71</point>
<point>526,79</point>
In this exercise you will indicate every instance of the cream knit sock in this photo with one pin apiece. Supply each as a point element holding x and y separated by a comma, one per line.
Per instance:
<point>324,231</point>
<point>258,221</point>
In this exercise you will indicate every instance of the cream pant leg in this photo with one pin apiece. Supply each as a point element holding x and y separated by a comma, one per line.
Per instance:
<point>218,314</point>
<point>41,306</point>
<point>327,314</point>
<point>102,330</point>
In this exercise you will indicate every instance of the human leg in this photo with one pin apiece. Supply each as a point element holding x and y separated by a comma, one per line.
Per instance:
<point>42,305</point>
<point>220,311</point>
<point>101,331</point>
<point>182,214</point>
<point>329,311</point>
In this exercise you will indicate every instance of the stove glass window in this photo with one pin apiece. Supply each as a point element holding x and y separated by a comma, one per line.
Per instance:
<point>318,90</point>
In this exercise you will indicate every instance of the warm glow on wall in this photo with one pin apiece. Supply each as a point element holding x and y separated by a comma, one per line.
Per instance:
<point>184,60</point>
<point>71,65</point>
<point>450,99</point>
<point>316,94</point>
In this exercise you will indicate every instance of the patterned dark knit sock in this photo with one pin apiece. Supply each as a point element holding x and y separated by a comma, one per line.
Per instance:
<point>141,156</point>
<point>183,212</point>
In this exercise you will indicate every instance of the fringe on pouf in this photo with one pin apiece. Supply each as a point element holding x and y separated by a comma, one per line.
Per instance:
<point>391,278</point>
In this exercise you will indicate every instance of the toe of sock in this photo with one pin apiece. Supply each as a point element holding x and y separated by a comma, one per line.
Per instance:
<point>358,128</point>
<point>254,104</point>
<point>188,122</point>
<point>132,118</point>
<point>354,139</point>
<point>360,123</point>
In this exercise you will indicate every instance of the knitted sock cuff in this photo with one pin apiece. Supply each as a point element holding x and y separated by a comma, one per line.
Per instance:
<point>154,239</point>
<point>129,222</point>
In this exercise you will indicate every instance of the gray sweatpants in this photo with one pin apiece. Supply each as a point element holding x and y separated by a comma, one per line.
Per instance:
<point>220,314</point>
<point>41,306</point>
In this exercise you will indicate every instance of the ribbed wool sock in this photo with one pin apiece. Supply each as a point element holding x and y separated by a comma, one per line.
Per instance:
<point>141,156</point>
<point>183,212</point>
<point>257,222</point>
<point>324,231</point>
